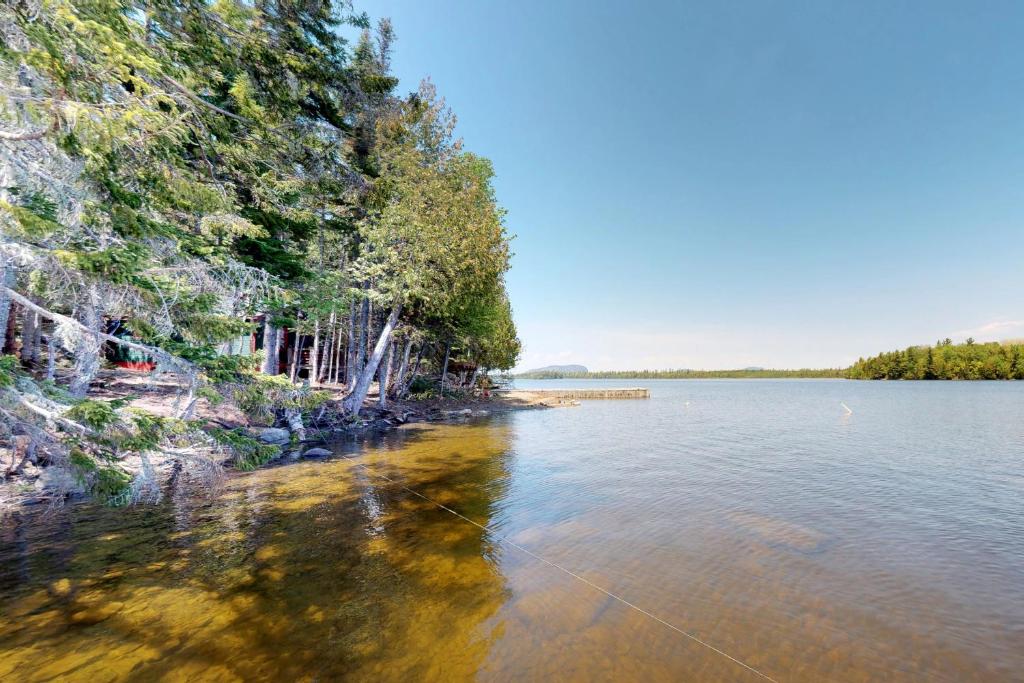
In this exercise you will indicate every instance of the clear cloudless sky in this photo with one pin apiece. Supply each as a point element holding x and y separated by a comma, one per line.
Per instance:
<point>725,184</point>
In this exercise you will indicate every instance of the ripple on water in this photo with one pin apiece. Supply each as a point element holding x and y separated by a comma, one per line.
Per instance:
<point>812,545</point>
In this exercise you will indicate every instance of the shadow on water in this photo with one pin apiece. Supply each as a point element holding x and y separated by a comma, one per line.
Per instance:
<point>308,571</point>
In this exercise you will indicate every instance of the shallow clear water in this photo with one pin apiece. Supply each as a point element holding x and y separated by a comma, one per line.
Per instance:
<point>812,545</point>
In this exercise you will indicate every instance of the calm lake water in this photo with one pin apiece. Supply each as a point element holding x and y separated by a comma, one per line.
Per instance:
<point>757,516</point>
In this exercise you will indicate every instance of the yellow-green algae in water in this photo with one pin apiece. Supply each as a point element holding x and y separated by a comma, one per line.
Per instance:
<point>315,570</point>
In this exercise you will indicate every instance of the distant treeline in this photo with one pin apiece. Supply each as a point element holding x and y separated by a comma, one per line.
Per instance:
<point>683,374</point>
<point>946,360</point>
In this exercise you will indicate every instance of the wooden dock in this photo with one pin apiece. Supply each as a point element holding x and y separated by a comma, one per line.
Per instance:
<point>587,394</point>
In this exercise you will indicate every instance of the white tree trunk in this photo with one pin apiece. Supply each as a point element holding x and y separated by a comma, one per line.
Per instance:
<point>51,357</point>
<point>404,389</point>
<point>293,416</point>
<point>384,375</point>
<point>87,348</point>
<point>363,342</point>
<point>314,356</point>
<point>279,339</point>
<point>293,371</point>
<point>444,368</point>
<point>328,353</point>
<point>403,367</point>
<point>336,362</point>
<point>270,334</point>
<point>354,401</point>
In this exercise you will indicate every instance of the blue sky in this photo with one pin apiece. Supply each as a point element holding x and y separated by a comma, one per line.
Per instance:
<point>724,184</point>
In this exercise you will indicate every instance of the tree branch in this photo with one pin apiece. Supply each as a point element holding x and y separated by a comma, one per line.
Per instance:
<point>46,414</point>
<point>199,100</point>
<point>23,136</point>
<point>185,366</point>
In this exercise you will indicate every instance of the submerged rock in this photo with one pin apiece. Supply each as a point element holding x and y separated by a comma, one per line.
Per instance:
<point>403,417</point>
<point>94,614</point>
<point>58,481</point>
<point>780,533</point>
<point>274,435</point>
<point>316,453</point>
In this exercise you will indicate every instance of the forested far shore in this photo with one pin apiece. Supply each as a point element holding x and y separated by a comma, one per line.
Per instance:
<point>683,374</point>
<point>945,360</point>
<point>234,195</point>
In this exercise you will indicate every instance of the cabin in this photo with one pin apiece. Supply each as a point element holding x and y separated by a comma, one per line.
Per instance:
<point>243,345</point>
<point>460,371</point>
<point>247,345</point>
<point>122,356</point>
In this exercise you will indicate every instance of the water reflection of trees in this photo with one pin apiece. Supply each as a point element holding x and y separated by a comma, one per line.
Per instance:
<point>319,569</point>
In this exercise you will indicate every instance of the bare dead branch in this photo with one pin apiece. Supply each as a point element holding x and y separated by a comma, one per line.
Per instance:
<point>185,366</point>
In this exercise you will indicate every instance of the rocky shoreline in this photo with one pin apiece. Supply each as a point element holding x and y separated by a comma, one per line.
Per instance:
<point>35,485</point>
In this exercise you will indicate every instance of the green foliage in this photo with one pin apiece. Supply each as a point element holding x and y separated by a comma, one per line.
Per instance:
<point>259,396</point>
<point>271,255</point>
<point>249,453</point>
<point>117,265</point>
<point>229,369</point>
<point>35,217</point>
<point>40,205</point>
<point>421,386</point>
<point>147,431</point>
<point>8,370</point>
<point>945,360</point>
<point>103,480</point>
<point>97,415</point>
<point>203,329</point>
<point>482,319</point>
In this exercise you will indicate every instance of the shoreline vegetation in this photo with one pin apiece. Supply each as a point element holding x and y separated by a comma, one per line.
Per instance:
<point>943,361</point>
<point>235,201</point>
<point>946,360</point>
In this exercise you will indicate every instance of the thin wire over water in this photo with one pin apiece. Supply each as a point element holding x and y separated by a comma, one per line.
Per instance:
<point>627,603</point>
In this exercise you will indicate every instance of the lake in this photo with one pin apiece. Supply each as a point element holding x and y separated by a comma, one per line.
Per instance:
<point>721,530</point>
